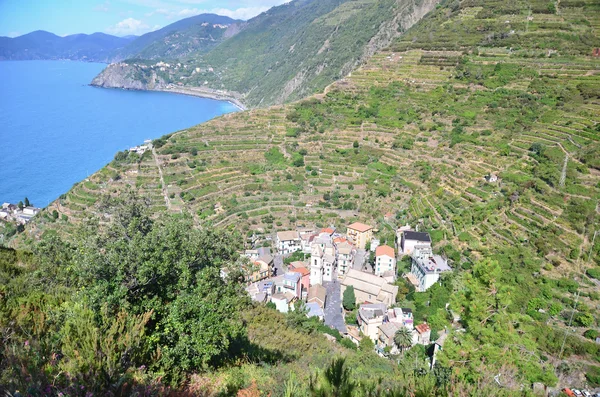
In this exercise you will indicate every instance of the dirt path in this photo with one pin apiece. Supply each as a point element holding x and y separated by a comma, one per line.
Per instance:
<point>162,180</point>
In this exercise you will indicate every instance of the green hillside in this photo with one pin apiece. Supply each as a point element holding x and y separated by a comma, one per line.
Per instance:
<point>477,88</point>
<point>197,34</point>
<point>289,52</point>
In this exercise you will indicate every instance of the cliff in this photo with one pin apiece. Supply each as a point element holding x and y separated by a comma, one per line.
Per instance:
<point>130,77</point>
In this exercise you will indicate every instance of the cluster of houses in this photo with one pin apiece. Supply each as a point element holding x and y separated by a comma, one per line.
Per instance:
<point>14,213</point>
<point>142,148</point>
<point>330,256</point>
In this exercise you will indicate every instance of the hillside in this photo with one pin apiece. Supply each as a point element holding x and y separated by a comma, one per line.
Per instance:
<point>477,88</point>
<point>290,51</point>
<point>97,47</point>
<point>197,34</point>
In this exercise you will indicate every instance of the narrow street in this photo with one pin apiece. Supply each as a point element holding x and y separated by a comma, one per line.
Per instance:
<point>333,307</point>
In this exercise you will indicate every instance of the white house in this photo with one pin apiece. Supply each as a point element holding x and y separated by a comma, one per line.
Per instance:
<point>345,258</point>
<point>409,240</point>
<point>288,242</point>
<point>283,301</point>
<point>426,268</point>
<point>385,260</point>
<point>31,211</point>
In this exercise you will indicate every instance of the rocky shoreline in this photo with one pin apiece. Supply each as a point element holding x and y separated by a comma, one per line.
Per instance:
<point>204,93</point>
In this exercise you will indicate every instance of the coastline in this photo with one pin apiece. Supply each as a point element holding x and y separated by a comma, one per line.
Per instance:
<point>190,91</point>
<point>204,93</point>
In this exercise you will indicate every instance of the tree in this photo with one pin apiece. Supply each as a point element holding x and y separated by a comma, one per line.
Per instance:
<point>366,344</point>
<point>355,144</point>
<point>55,214</point>
<point>20,205</point>
<point>27,203</point>
<point>335,381</point>
<point>403,338</point>
<point>349,299</point>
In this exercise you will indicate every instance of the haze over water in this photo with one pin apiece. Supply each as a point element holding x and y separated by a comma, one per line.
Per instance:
<point>55,130</point>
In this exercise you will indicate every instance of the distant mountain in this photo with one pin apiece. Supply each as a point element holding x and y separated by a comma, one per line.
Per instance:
<point>40,44</point>
<point>197,34</point>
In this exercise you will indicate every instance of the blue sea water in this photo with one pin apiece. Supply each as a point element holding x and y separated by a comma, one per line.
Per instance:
<point>55,130</point>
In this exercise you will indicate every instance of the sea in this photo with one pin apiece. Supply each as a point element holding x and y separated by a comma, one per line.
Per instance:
<point>56,130</point>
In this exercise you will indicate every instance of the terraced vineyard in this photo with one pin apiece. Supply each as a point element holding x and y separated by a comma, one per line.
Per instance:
<point>503,89</point>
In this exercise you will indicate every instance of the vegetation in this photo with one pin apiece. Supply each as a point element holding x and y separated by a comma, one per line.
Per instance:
<point>460,96</point>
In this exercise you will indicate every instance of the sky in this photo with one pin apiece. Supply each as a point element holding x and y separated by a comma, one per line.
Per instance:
<point>116,17</point>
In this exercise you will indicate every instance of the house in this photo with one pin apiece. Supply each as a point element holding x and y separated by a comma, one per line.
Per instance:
<point>370,317</point>
<point>292,283</point>
<point>345,258</point>
<point>288,242</point>
<point>306,237</point>
<point>322,259</point>
<point>374,244</point>
<point>304,278</point>
<point>31,211</point>
<point>314,310</point>
<point>410,239</point>
<point>385,337</point>
<point>317,294</point>
<point>360,234</point>
<point>283,301</point>
<point>258,270</point>
<point>369,288</point>
<point>385,260</point>
<point>256,253</point>
<point>421,334</point>
<point>427,267</point>
<point>491,178</point>
<point>403,317</point>
<point>328,230</point>
<point>261,291</point>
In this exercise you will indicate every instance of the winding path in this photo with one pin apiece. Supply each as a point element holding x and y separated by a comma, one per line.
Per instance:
<point>162,180</point>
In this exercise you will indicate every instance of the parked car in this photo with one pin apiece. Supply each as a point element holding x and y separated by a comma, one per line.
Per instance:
<point>577,393</point>
<point>586,393</point>
<point>568,392</point>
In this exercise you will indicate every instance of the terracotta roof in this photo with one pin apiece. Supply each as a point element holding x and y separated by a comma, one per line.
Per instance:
<point>317,292</point>
<point>297,264</point>
<point>384,250</point>
<point>288,235</point>
<point>361,227</point>
<point>302,270</point>
<point>339,240</point>
<point>327,230</point>
<point>422,328</point>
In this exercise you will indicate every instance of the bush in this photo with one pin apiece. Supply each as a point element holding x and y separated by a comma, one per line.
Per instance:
<point>347,343</point>
<point>591,334</point>
<point>594,273</point>
<point>349,299</point>
<point>593,376</point>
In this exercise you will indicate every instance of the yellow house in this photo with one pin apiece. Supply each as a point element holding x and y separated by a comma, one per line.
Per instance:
<point>360,234</point>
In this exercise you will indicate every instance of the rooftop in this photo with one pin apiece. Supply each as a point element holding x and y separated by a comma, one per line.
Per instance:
<point>360,227</point>
<point>292,276</point>
<point>288,235</point>
<point>422,328</point>
<point>385,250</point>
<point>417,236</point>
<point>368,283</point>
<point>429,262</point>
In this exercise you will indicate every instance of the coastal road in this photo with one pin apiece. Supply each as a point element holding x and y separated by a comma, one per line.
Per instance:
<point>333,308</point>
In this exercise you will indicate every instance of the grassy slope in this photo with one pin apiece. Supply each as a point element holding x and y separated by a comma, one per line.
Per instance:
<point>462,94</point>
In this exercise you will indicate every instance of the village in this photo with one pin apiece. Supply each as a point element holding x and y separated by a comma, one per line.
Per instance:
<point>317,270</point>
<point>20,213</point>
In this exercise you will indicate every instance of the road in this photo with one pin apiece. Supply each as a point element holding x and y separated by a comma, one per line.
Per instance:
<point>278,266</point>
<point>360,260</point>
<point>333,308</point>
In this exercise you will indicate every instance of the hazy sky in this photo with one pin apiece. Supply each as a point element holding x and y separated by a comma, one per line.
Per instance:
<point>118,17</point>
